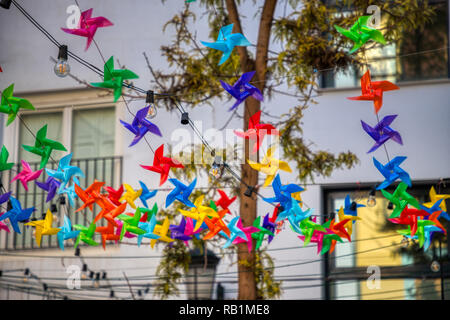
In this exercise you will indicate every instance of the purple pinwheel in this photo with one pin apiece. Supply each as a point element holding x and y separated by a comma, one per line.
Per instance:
<point>382,132</point>
<point>140,126</point>
<point>50,185</point>
<point>4,197</point>
<point>242,89</point>
<point>177,232</point>
<point>269,226</point>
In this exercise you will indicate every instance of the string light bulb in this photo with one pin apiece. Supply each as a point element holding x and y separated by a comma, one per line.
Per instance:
<point>62,68</point>
<point>150,103</point>
<point>435,266</point>
<point>216,168</point>
<point>405,242</point>
<point>371,200</point>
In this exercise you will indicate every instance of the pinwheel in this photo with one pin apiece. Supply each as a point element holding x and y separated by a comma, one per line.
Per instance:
<point>351,207</point>
<point>50,185</point>
<point>437,206</point>
<point>235,230</point>
<point>131,224</point>
<point>315,237</point>
<point>373,91</point>
<point>391,172</point>
<point>11,105</point>
<point>146,194</point>
<point>141,126</point>
<point>351,219</point>
<point>70,191</point>
<point>43,146</point>
<point>199,212</point>
<point>382,132</point>
<point>177,231</point>
<point>113,79</point>
<point>400,198</point>
<point>149,228</point>
<point>308,227</point>
<point>114,195</point>
<point>267,224</point>
<point>16,214</point>
<point>111,214</point>
<point>270,166</point>
<point>107,233</point>
<point>338,228</point>
<point>226,41</point>
<point>126,234</point>
<point>241,90</point>
<point>86,235</point>
<point>66,232</point>
<point>5,197</point>
<point>26,175</point>
<point>161,231</point>
<point>181,193</point>
<point>130,195</point>
<point>410,216</point>
<point>65,171</point>
<point>248,231</point>
<point>329,242</point>
<point>360,33</point>
<point>43,227</point>
<point>435,197</point>
<point>259,235</point>
<point>4,165</point>
<point>283,193</point>
<point>3,226</point>
<point>224,201</point>
<point>90,195</point>
<point>149,213</point>
<point>257,131</point>
<point>216,225</point>
<point>87,26</point>
<point>421,233</point>
<point>162,164</point>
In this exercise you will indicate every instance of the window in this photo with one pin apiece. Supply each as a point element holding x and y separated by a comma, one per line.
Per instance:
<point>88,131</point>
<point>405,271</point>
<point>402,61</point>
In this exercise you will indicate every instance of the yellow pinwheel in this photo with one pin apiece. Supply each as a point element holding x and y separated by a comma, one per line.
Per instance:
<point>130,195</point>
<point>43,227</point>
<point>434,197</point>
<point>269,165</point>
<point>349,225</point>
<point>161,231</point>
<point>199,212</point>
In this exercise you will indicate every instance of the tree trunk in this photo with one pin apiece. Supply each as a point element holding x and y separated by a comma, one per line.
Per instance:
<point>248,205</point>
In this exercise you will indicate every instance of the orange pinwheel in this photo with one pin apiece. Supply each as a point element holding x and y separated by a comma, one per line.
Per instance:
<point>373,90</point>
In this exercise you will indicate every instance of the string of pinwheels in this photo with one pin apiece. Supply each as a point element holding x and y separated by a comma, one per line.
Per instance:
<point>201,220</point>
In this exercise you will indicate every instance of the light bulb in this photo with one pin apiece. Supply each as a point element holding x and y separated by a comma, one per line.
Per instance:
<point>96,283</point>
<point>83,276</point>
<point>152,111</point>
<point>62,68</point>
<point>371,201</point>
<point>215,171</point>
<point>25,279</point>
<point>405,242</point>
<point>435,266</point>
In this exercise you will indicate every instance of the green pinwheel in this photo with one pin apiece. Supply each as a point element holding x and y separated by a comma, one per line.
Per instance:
<point>307,227</point>
<point>360,33</point>
<point>422,233</point>
<point>113,79</point>
<point>131,223</point>
<point>43,146</point>
<point>4,165</point>
<point>400,198</point>
<point>259,236</point>
<point>11,105</point>
<point>86,234</point>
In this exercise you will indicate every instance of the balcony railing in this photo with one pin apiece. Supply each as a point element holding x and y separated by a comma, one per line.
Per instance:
<point>107,169</point>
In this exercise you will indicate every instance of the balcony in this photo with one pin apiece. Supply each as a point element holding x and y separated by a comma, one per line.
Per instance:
<point>107,169</point>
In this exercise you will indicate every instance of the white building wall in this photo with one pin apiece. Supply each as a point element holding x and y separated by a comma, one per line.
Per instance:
<point>333,124</point>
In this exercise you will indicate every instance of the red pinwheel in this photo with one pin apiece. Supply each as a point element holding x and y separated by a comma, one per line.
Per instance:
<point>162,164</point>
<point>257,131</point>
<point>224,201</point>
<point>373,90</point>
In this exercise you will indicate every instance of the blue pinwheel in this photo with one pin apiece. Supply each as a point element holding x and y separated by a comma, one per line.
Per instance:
<point>70,191</point>
<point>235,231</point>
<point>428,232</point>
<point>146,194</point>
<point>149,228</point>
<point>65,172</point>
<point>283,192</point>
<point>226,41</point>
<point>391,172</point>
<point>435,207</point>
<point>16,214</point>
<point>242,89</point>
<point>382,132</point>
<point>140,126</point>
<point>181,193</point>
<point>295,215</point>
<point>351,208</point>
<point>66,232</point>
<point>51,185</point>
